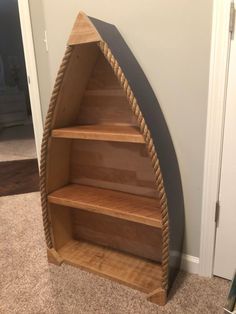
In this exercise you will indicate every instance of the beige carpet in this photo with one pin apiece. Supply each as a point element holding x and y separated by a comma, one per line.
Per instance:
<point>28,285</point>
<point>17,142</point>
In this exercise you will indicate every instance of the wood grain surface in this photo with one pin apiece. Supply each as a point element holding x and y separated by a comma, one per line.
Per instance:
<point>104,100</point>
<point>123,235</point>
<point>135,272</point>
<point>101,132</point>
<point>113,203</point>
<point>19,176</point>
<point>117,166</point>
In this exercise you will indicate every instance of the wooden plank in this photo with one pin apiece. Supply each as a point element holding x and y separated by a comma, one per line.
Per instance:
<point>105,107</point>
<point>116,204</point>
<point>101,132</point>
<point>61,224</point>
<point>128,269</point>
<point>58,157</point>
<point>117,166</point>
<point>126,236</point>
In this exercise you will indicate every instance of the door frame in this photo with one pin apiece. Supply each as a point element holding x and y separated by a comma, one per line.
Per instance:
<point>31,70</point>
<point>219,61</point>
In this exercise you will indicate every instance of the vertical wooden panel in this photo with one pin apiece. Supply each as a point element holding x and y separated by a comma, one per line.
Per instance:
<point>61,225</point>
<point>58,163</point>
<point>74,83</point>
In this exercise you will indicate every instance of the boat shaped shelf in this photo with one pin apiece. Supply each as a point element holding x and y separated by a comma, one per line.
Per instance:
<point>110,184</point>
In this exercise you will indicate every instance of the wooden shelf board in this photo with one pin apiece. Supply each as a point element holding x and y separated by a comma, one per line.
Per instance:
<point>101,132</point>
<point>133,271</point>
<point>126,206</point>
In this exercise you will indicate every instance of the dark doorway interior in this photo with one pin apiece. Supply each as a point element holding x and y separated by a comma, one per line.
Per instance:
<point>14,95</point>
<point>16,128</point>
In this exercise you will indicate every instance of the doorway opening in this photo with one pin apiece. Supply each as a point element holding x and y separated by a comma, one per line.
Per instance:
<point>18,157</point>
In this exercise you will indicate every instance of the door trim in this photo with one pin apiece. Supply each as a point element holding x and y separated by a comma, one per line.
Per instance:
<point>31,70</point>
<point>220,48</point>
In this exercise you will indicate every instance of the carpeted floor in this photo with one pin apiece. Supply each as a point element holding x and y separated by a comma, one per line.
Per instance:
<point>28,285</point>
<point>17,142</point>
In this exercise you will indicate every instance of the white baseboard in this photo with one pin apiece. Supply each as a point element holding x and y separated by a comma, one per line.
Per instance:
<point>190,264</point>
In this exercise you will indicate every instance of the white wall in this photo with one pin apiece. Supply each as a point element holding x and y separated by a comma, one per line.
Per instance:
<point>171,40</point>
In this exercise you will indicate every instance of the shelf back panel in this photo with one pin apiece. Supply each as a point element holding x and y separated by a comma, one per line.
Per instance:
<point>125,236</point>
<point>104,100</point>
<point>117,166</point>
<point>117,234</point>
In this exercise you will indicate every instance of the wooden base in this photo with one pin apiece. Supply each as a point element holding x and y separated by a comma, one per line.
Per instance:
<point>127,273</point>
<point>54,257</point>
<point>133,271</point>
<point>158,296</point>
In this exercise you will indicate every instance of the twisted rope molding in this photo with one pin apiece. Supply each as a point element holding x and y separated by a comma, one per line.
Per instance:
<point>152,153</point>
<point>44,146</point>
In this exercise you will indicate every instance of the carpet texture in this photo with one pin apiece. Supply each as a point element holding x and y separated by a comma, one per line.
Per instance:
<point>28,285</point>
<point>17,142</point>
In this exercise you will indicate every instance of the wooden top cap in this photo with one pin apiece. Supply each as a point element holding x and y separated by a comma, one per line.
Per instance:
<point>83,31</point>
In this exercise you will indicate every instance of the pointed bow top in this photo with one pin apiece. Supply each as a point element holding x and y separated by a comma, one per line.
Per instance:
<point>83,31</point>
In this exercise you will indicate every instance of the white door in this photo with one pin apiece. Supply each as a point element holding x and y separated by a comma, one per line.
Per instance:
<point>225,248</point>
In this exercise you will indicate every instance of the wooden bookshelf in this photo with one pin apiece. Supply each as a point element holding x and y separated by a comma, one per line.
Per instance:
<point>112,203</point>
<point>106,208</point>
<point>116,133</point>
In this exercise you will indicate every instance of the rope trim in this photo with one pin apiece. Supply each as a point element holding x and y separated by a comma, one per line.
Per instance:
<point>44,146</point>
<point>152,153</point>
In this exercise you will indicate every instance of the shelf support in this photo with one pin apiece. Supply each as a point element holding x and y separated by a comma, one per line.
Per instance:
<point>158,296</point>
<point>54,257</point>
